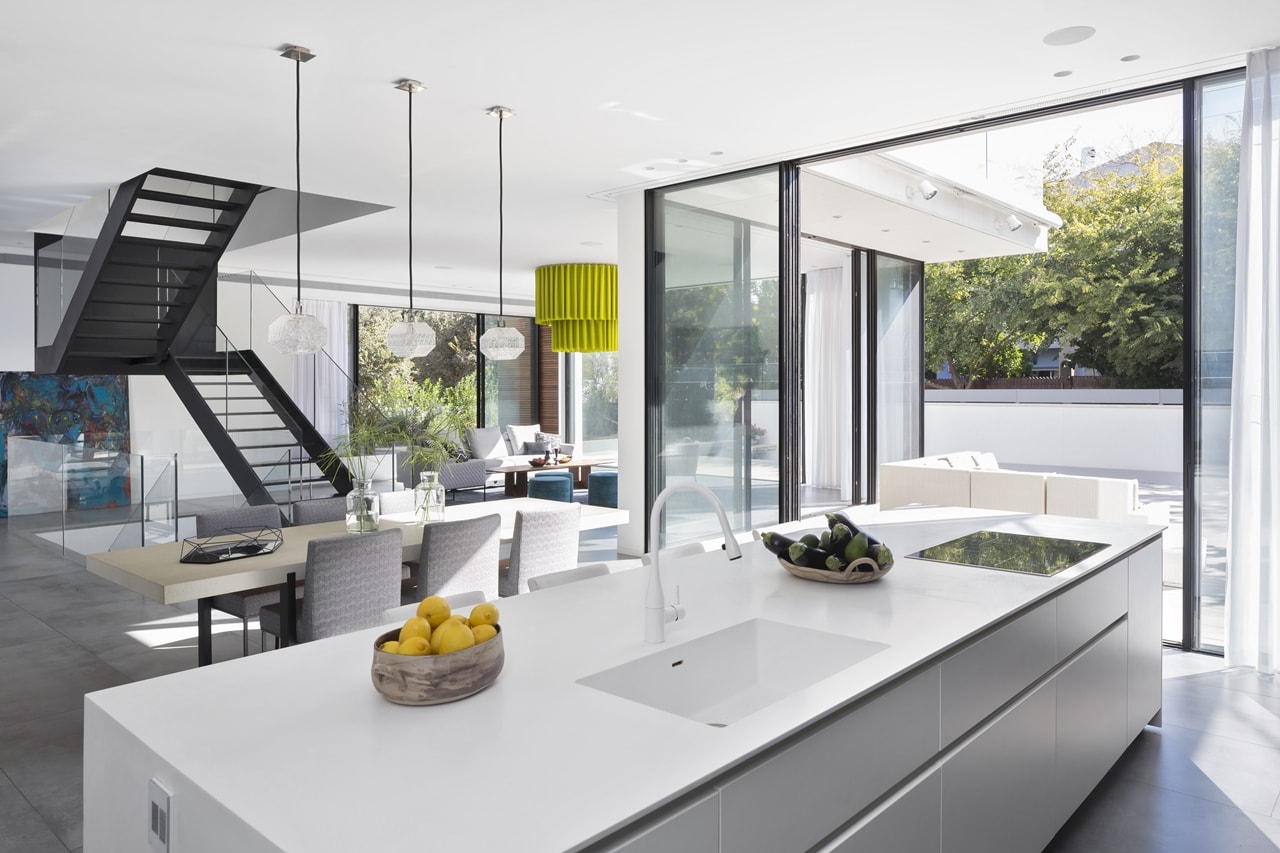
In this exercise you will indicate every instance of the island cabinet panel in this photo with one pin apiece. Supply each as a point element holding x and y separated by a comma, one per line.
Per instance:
<point>692,827</point>
<point>1090,719</point>
<point>1090,606</point>
<point>998,789</point>
<point>980,678</point>
<point>1145,642</point>
<point>908,822</point>
<point>812,787</point>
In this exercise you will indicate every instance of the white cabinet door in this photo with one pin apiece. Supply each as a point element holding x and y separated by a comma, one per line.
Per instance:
<point>980,678</point>
<point>693,827</point>
<point>1145,643</point>
<point>1091,712</point>
<point>997,790</point>
<point>807,791</point>
<point>1089,606</point>
<point>909,822</point>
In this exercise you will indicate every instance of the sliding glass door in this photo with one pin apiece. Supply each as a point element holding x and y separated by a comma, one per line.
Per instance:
<point>714,303</point>
<point>899,356</point>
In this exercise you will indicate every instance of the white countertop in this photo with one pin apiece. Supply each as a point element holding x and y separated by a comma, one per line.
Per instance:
<point>537,761</point>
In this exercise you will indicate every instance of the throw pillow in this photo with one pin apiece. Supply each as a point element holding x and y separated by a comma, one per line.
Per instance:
<point>485,442</point>
<point>518,434</point>
<point>550,439</point>
<point>536,447</point>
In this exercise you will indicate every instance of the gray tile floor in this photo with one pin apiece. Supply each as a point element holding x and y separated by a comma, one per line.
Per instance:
<point>1207,781</point>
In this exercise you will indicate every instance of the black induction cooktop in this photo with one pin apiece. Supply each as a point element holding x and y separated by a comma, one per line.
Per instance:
<point>1012,552</point>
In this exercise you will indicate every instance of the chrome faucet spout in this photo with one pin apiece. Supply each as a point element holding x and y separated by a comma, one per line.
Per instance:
<point>657,613</point>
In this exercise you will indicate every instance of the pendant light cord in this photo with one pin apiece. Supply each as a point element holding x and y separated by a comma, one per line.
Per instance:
<point>501,312</point>
<point>297,162</point>
<point>410,203</point>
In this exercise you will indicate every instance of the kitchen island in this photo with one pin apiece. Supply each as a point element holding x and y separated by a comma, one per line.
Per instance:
<point>992,704</point>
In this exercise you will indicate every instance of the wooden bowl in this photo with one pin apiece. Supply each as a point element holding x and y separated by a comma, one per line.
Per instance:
<point>864,570</point>
<point>435,679</point>
<point>538,461</point>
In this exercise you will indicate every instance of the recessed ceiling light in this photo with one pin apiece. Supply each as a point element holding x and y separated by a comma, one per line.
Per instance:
<point>837,216</point>
<point>926,241</point>
<point>683,160</point>
<point>442,267</point>
<point>885,230</point>
<point>1069,35</point>
<point>716,153</point>
<point>960,250</point>
<point>591,243</point>
<point>1062,73</point>
<point>1131,57</point>
<point>648,168</point>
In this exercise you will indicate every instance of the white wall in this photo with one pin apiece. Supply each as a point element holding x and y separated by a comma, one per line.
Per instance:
<point>17,321</point>
<point>631,378</point>
<point>1060,436</point>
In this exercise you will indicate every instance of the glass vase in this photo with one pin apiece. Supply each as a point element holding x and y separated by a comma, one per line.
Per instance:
<point>362,507</point>
<point>428,498</point>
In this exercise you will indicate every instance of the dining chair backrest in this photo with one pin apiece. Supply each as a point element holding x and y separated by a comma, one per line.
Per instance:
<point>351,581</point>
<point>578,573</point>
<point>543,541</point>
<point>395,502</point>
<point>246,518</point>
<point>319,510</point>
<point>460,556</point>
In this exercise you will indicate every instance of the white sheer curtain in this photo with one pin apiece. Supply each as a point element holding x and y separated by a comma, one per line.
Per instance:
<point>319,381</point>
<point>1253,544</point>
<point>828,366</point>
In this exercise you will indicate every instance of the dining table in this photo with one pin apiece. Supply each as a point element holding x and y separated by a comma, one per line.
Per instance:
<point>157,572</point>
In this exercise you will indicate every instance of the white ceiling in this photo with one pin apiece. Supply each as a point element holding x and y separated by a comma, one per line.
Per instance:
<point>608,98</point>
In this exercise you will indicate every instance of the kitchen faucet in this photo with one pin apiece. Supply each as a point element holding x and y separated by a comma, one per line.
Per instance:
<point>657,613</point>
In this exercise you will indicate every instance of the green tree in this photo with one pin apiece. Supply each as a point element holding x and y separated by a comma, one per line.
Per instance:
<point>1112,279</point>
<point>981,318</point>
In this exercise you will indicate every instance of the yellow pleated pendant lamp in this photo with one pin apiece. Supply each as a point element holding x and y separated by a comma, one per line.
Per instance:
<point>580,304</point>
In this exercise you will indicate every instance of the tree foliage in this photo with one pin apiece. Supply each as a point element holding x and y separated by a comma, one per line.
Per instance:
<point>1109,288</point>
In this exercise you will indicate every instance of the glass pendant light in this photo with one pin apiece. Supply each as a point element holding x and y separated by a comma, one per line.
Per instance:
<point>409,338</point>
<point>298,333</point>
<point>501,343</point>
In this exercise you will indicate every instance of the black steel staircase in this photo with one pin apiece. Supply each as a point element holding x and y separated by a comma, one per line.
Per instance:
<point>266,443</point>
<point>153,262</point>
<point>146,302</point>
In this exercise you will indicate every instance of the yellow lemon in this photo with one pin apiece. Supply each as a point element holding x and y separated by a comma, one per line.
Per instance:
<point>391,647</point>
<point>415,646</point>
<point>455,637</point>
<point>415,626</point>
<point>484,614</point>
<point>483,632</point>
<point>434,609</point>
<point>458,617</point>
<point>437,633</point>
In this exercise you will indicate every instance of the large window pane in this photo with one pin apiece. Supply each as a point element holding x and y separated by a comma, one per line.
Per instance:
<point>510,390</point>
<point>1218,123</point>
<point>716,286</point>
<point>899,373</point>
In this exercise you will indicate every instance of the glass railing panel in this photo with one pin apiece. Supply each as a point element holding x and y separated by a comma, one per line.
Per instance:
<point>60,263</point>
<point>153,516</point>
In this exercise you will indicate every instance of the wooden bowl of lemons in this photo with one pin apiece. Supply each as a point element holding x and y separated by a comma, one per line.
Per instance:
<point>425,664</point>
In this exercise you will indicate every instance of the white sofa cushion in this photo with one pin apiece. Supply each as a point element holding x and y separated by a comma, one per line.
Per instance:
<point>484,442</point>
<point>1103,498</point>
<point>1015,491</point>
<point>518,434</point>
<point>904,484</point>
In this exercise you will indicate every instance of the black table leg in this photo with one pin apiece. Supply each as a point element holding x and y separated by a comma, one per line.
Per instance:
<point>288,610</point>
<point>204,632</point>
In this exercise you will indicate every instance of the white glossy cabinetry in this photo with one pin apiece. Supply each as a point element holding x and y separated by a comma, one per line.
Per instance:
<point>799,796</point>
<point>908,822</point>
<point>997,789</point>
<point>1145,701</point>
<point>693,827</point>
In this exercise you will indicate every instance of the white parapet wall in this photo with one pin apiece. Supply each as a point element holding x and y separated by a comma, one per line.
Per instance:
<point>1094,431</point>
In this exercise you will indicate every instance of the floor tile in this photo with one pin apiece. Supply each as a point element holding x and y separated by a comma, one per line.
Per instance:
<point>1123,816</point>
<point>1224,770</point>
<point>43,760</point>
<point>18,626</point>
<point>1209,706</point>
<point>21,828</point>
<point>45,678</point>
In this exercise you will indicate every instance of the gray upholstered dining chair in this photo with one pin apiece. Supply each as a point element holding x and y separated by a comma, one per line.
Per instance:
<point>577,573</point>
<point>457,556</point>
<point>319,510</point>
<point>247,519</point>
<point>351,581</point>
<point>543,541</point>
<point>391,503</point>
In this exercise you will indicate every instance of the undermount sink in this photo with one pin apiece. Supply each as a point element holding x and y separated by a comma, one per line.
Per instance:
<point>722,677</point>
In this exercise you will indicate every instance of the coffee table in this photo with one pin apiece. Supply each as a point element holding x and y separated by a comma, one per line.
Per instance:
<point>516,475</point>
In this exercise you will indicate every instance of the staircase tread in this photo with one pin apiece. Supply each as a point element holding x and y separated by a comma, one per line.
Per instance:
<point>152,320</point>
<point>161,243</point>
<point>188,200</point>
<point>206,180</point>
<point>112,260</point>
<point>176,222</point>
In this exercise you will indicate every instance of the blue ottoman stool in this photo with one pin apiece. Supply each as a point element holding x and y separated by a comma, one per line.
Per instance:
<point>602,488</point>
<point>552,486</point>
